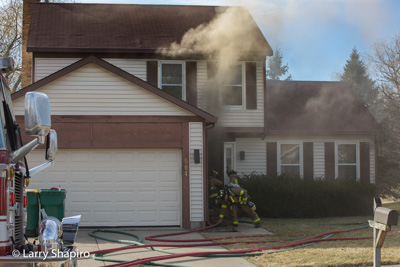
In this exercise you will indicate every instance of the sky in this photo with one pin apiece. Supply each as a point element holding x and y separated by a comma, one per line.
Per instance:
<point>316,37</point>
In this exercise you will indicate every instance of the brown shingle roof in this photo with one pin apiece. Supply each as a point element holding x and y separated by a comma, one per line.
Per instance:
<point>316,107</point>
<point>118,28</point>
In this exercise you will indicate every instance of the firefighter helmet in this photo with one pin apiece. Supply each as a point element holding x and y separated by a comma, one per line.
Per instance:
<point>231,172</point>
<point>214,173</point>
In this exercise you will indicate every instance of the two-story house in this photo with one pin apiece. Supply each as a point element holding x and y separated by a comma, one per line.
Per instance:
<point>139,128</point>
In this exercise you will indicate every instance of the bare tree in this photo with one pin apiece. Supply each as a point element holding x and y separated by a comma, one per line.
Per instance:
<point>386,63</point>
<point>11,38</point>
<point>386,60</point>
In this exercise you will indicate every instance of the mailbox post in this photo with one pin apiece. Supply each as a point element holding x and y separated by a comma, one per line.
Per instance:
<point>384,218</point>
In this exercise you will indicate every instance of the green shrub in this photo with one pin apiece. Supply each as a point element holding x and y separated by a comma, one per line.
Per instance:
<point>290,197</point>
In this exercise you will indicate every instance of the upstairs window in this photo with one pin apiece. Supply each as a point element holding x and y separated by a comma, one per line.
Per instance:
<point>232,89</point>
<point>290,159</point>
<point>172,78</point>
<point>347,161</point>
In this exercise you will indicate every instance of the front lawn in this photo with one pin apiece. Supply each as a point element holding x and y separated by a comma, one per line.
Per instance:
<point>334,253</point>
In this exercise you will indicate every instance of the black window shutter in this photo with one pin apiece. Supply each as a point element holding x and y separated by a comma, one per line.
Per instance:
<point>272,163</point>
<point>329,160</point>
<point>251,85</point>
<point>152,72</point>
<point>365,174</point>
<point>308,156</point>
<point>191,83</point>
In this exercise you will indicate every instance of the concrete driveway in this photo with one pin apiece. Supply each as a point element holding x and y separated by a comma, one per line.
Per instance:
<point>86,243</point>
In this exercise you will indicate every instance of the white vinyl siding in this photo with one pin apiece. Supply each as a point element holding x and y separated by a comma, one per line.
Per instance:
<point>46,66</point>
<point>202,84</point>
<point>319,160</point>
<point>255,157</point>
<point>137,68</point>
<point>247,118</point>
<point>233,118</point>
<point>196,172</point>
<point>116,187</point>
<point>92,90</point>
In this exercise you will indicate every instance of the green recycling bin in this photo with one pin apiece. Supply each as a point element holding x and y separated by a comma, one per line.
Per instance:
<point>32,210</point>
<point>52,201</point>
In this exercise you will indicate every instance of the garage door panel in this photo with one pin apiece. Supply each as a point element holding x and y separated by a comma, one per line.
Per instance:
<point>102,197</point>
<point>169,178</point>
<point>121,187</point>
<point>78,197</point>
<point>104,217</point>
<point>168,197</point>
<point>79,158</point>
<point>76,176</point>
<point>147,196</point>
<point>101,157</point>
<point>125,217</point>
<point>147,157</point>
<point>168,216</point>
<point>122,198</point>
<point>147,178</point>
<point>146,216</point>
<point>168,157</point>
<point>123,156</point>
<point>124,177</point>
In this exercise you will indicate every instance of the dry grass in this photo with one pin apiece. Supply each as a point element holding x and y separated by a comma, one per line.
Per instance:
<point>335,253</point>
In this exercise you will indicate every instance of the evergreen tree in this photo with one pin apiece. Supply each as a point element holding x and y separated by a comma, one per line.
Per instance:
<point>276,69</point>
<point>355,74</point>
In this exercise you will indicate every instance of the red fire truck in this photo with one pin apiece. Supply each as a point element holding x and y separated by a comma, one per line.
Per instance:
<point>54,247</point>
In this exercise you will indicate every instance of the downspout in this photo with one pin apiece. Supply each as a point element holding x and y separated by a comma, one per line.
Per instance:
<point>207,128</point>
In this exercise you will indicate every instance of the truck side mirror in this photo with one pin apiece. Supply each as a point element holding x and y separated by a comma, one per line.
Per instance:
<point>37,114</point>
<point>51,145</point>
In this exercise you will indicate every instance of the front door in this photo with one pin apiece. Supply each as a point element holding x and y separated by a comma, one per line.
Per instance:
<point>229,159</point>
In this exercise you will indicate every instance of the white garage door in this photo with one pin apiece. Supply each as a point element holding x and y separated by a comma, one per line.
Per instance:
<point>116,187</point>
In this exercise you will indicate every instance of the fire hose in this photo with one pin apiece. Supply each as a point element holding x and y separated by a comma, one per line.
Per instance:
<point>324,237</point>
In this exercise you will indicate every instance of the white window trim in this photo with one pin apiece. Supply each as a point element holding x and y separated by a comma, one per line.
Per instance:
<point>300,157</point>
<point>236,107</point>
<point>233,146</point>
<point>160,63</point>
<point>357,158</point>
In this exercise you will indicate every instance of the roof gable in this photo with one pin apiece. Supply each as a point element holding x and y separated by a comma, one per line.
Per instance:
<point>86,65</point>
<point>120,28</point>
<point>316,107</point>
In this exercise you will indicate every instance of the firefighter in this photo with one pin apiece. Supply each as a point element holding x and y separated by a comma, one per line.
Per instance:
<point>234,196</point>
<point>214,201</point>
<point>215,184</point>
